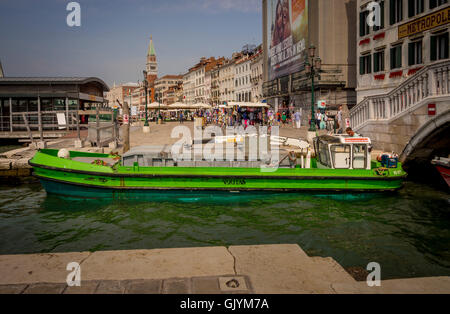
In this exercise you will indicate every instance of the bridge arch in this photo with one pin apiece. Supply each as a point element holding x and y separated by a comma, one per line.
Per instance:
<point>431,140</point>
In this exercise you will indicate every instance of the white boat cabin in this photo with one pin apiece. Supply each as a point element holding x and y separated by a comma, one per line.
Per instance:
<point>343,152</point>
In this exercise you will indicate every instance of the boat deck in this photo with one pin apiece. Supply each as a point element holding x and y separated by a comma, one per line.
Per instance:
<point>90,160</point>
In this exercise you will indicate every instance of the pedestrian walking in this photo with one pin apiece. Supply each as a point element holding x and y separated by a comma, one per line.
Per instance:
<point>318,118</point>
<point>298,120</point>
<point>323,121</point>
<point>284,118</point>
<point>181,118</point>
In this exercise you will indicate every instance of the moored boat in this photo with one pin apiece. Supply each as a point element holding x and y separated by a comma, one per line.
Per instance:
<point>342,164</point>
<point>443,166</point>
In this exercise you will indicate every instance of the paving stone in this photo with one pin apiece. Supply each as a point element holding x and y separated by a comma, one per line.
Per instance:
<point>87,287</point>
<point>12,289</point>
<point>45,288</point>
<point>206,285</point>
<point>176,286</point>
<point>111,287</point>
<point>143,287</point>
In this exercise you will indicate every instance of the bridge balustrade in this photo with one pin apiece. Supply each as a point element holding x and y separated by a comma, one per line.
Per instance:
<point>431,81</point>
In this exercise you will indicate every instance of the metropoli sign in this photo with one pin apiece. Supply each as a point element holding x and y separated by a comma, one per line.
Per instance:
<point>424,23</point>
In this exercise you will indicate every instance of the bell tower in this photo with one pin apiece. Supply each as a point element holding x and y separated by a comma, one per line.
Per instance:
<point>152,64</point>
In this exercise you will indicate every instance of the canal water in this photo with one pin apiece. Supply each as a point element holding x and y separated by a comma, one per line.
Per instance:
<point>407,232</point>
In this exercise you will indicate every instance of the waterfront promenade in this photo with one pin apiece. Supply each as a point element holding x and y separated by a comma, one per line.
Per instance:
<point>15,163</point>
<point>267,269</point>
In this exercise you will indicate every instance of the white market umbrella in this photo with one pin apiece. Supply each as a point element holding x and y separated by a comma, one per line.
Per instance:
<point>202,106</point>
<point>156,105</point>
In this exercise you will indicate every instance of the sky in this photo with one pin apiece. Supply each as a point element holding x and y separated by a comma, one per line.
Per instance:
<point>114,35</point>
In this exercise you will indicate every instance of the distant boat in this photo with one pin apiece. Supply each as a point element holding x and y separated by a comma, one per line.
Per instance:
<point>343,165</point>
<point>443,166</point>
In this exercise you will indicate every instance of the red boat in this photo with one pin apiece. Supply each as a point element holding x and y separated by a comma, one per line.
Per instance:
<point>443,166</point>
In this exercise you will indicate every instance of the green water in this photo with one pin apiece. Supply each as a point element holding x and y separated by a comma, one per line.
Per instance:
<point>407,232</point>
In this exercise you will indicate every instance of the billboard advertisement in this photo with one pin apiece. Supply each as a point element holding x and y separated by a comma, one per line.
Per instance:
<point>287,36</point>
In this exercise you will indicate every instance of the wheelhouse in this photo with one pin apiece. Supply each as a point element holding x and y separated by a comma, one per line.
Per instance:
<point>343,152</point>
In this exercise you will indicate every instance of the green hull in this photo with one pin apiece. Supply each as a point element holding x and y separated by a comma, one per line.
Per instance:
<point>74,192</point>
<point>71,178</point>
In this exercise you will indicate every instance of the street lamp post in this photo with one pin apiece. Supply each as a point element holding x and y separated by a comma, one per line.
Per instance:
<point>146,125</point>
<point>131,99</point>
<point>158,100</point>
<point>159,108</point>
<point>313,67</point>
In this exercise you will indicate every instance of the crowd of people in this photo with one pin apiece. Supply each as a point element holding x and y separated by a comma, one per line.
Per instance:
<point>236,116</point>
<point>240,116</point>
<point>246,117</point>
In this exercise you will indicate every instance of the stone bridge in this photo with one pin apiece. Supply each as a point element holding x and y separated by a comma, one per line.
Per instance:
<point>405,121</point>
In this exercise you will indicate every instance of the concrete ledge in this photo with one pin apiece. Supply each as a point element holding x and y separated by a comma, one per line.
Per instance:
<point>273,269</point>
<point>158,264</point>
<point>5,164</point>
<point>11,153</point>
<point>276,269</point>
<point>38,268</point>
<point>117,265</point>
<point>21,164</point>
<point>194,285</point>
<point>15,168</point>
<point>16,173</point>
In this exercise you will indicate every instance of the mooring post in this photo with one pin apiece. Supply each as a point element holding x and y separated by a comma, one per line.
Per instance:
<point>98,125</point>
<point>10,115</point>
<point>41,129</point>
<point>67,115</point>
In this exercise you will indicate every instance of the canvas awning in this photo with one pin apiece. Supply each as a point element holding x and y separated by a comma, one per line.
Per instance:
<point>155,106</point>
<point>187,107</point>
<point>179,105</point>
<point>247,105</point>
<point>202,106</point>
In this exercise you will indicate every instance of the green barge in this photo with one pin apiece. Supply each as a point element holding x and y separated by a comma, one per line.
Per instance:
<point>342,165</point>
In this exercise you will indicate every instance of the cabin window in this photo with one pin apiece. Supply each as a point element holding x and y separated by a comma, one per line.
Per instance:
<point>359,156</point>
<point>341,156</point>
<point>324,158</point>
